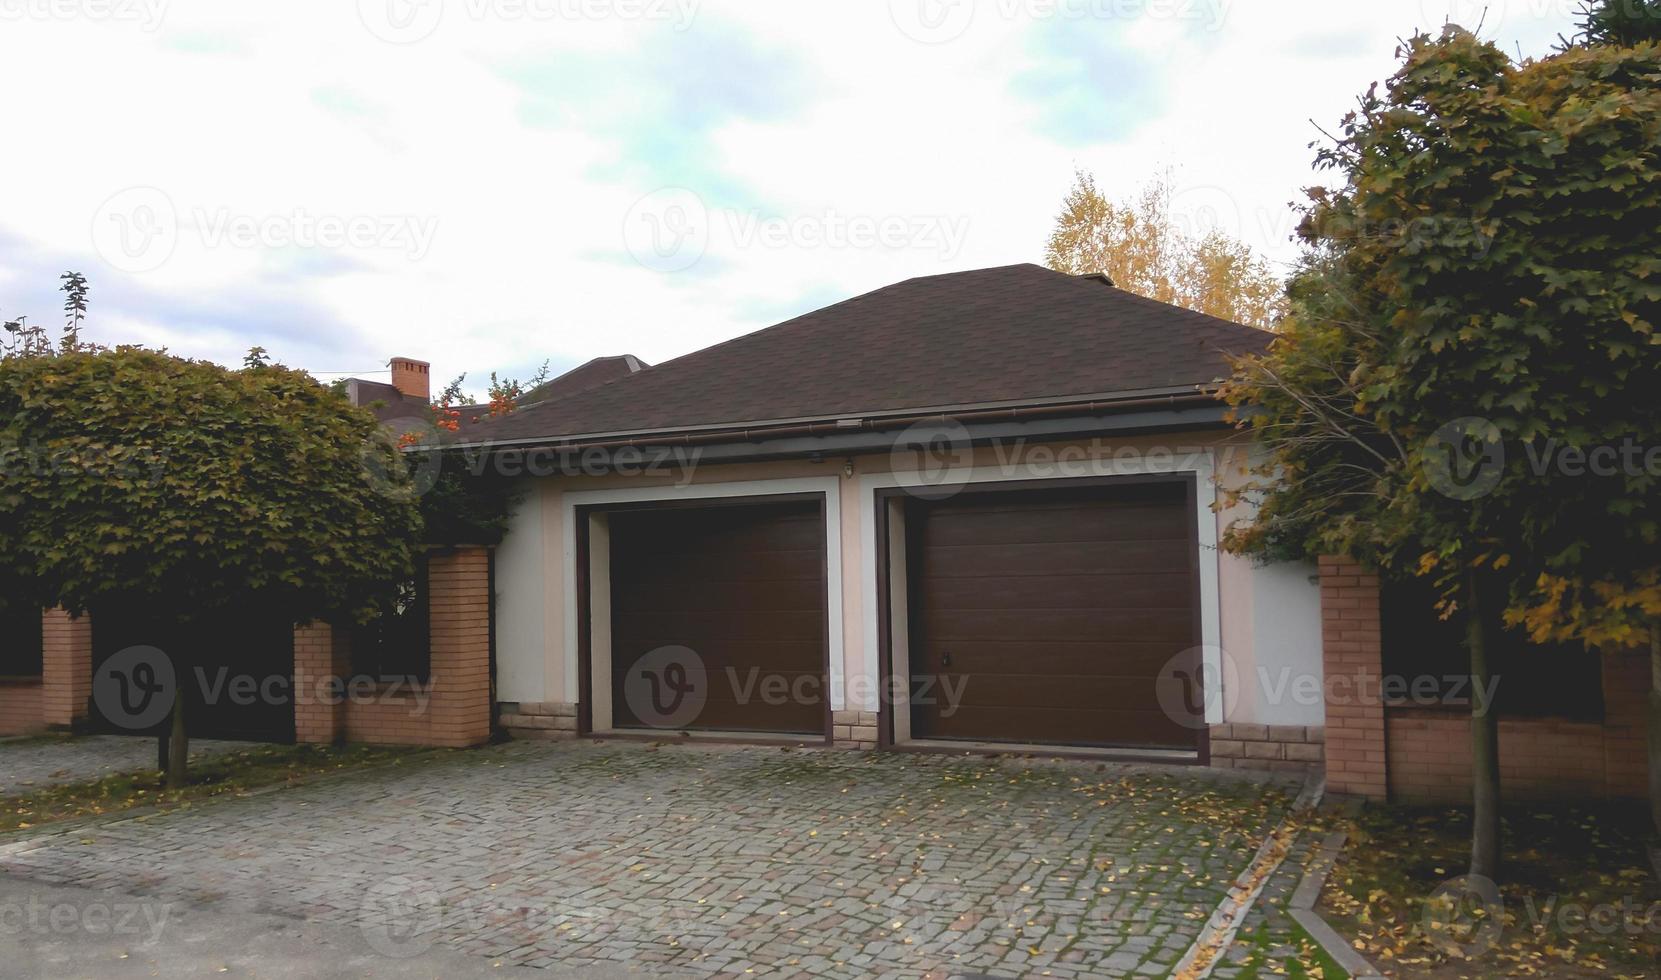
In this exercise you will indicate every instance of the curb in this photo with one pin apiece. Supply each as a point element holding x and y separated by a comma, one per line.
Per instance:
<point>1230,913</point>
<point>1302,907</point>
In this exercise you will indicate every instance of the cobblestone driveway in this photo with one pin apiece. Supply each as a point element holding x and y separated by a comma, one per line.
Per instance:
<point>29,764</point>
<point>702,860</point>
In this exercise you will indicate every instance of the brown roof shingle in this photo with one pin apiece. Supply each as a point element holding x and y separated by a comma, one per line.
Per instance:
<point>1014,334</point>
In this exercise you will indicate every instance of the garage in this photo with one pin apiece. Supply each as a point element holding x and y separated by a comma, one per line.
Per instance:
<point>739,590</point>
<point>1043,615</point>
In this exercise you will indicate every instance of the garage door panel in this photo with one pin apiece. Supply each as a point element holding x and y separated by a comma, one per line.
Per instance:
<point>1141,728</point>
<point>1155,624</point>
<point>982,655</point>
<point>743,587</point>
<point>1043,591</point>
<point>1059,607</point>
<point>1055,523</point>
<point>1044,692</point>
<point>1016,560</point>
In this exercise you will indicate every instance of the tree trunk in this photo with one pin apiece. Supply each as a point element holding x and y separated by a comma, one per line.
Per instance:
<point>1655,724</point>
<point>178,746</point>
<point>1485,737</point>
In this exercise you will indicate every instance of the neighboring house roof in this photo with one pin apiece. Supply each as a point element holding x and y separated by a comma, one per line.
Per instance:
<point>388,403</point>
<point>1019,334</point>
<point>585,376</point>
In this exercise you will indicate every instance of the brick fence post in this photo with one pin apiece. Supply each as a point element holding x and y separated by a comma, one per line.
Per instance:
<point>65,668</point>
<point>458,588</point>
<point>321,655</point>
<point>1352,653</point>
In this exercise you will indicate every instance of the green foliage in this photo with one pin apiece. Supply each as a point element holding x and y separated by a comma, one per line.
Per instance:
<point>1492,254</point>
<point>1619,22</point>
<point>130,475</point>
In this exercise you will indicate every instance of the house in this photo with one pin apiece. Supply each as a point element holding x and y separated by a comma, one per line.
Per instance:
<point>976,511</point>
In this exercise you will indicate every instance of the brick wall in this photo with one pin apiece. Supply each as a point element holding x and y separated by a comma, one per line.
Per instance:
<point>1351,652</point>
<point>1540,758</point>
<point>20,707</point>
<point>1274,747</point>
<point>452,710</point>
<point>1423,755</point>
<point>459,597</point>
<point>66,668</point>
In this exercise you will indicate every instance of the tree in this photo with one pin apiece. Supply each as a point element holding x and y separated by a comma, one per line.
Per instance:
<point>1140,247</point>
<point>192,489</point>
<point>1479,295</point>
<point>1623,23</point>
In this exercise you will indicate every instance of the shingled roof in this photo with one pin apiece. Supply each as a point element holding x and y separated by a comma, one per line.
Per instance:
<point>1019,334</point>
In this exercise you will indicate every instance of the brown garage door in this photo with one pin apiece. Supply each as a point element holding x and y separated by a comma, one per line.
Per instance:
<point>1056,610</point>
<point>741,586</point>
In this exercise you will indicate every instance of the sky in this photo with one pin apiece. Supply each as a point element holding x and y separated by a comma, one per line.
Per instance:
<point>491,184</point>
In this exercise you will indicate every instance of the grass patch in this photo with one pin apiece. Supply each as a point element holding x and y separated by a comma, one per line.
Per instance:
<point>1577,893</point>
<point>1312,962</point>
<point>215,775</point>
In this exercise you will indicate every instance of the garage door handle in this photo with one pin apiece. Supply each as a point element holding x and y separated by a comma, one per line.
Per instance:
<point>946,658</point>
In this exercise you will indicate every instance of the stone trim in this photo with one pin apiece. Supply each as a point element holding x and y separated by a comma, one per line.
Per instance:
<point>854,729</point>
<point>1280,748</point>
<point>538,719</point>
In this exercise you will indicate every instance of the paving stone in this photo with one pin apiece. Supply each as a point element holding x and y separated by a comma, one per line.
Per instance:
<point>707,860</point>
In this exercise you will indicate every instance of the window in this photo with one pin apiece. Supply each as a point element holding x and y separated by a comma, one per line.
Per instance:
<point>1426,661</point>
<point>19,641</point>
<point>397,645</point>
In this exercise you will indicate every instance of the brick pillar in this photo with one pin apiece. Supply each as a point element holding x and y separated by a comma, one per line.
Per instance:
<point>66,668</point>
<point>321,654</point>
<point>1352,651</point>
<point>458,588</point>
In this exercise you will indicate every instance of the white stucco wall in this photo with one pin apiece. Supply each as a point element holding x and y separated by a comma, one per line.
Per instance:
<point>1255,619</point>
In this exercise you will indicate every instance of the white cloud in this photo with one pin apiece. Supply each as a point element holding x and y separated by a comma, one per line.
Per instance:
<point>833,152</point>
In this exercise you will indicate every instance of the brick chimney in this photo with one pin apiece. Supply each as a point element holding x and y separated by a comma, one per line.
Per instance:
<point>412,378</point>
